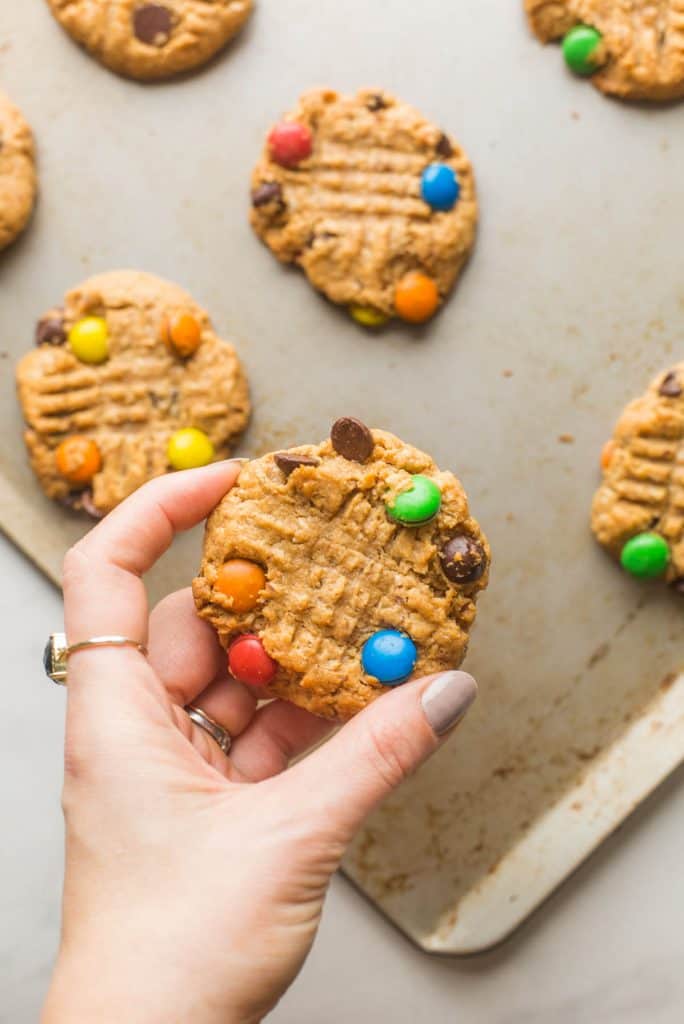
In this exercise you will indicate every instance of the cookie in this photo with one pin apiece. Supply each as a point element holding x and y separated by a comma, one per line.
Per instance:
<point>638,512</point>
<point>127,381</point>
<point>633,49</point>
<point>151,40</point>
<point>18,181</point>
<point>374,203</point>
<point>332,572</point>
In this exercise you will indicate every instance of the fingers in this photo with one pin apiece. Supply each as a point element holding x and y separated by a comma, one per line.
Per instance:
<point>343,781</point>
<point>278,733</point>
<point>103,592</point>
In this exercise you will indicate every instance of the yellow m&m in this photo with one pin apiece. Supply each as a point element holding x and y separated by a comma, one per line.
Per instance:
<point>189,448</point>
<point>88,339</point>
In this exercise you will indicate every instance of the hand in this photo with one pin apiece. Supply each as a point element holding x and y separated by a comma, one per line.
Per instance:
<point>195,882</point>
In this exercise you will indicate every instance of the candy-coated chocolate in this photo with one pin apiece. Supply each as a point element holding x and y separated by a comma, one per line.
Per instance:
<point>646,555</point>
<point>439,186</point>
<point>607,453</point>
<point>418,505</point>
<point>181,333</point>
<point>89,339</point>
<point>248,661</point>
<point>78,459</point>
<point>416,297</point>
<point>367,316</point>
<point>389,656</point>
<point>242,581</point>
<point>289,143</point>
<point>463,559</point>
<point>581,49</point>
<point>189,448</point>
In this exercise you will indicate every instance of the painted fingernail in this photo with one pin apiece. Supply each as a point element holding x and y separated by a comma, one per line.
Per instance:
<point>447,699</point>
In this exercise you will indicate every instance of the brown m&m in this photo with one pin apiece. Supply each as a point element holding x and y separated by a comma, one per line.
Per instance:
<point>352,439</point>
<point>463,559</point>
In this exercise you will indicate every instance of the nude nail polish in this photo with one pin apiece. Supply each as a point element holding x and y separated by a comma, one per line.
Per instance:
<point>447,699</point>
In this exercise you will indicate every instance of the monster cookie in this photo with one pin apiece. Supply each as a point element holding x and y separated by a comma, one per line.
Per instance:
<point>638,512</point>
<point>631,48</point>
<point>375,204</point>
<point>17,172</point>
<point>127,381</point>
<point>151,40</point>
<point>334,571</point>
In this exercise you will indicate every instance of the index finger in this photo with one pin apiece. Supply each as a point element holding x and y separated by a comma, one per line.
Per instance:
<point>103,590</point>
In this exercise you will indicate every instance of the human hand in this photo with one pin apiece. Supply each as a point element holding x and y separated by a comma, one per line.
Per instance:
<point>195,881</point>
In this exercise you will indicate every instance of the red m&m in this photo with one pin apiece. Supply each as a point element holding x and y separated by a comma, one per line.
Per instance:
<point>248,661</point>
<point>289,143</point>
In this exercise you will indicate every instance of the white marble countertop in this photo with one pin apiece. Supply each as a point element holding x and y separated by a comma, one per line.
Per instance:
<point>606,949</point>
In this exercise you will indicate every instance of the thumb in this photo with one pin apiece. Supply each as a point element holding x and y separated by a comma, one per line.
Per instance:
<point>341,782</point>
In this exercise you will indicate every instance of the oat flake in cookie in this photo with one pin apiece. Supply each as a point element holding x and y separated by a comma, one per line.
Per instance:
<point>633,49</point>
<point>18,182</point>
<point>638,512</point>
<point>332,572</point>
<point>152,40</point>
<point>127,380</point>
<point>376,204</point>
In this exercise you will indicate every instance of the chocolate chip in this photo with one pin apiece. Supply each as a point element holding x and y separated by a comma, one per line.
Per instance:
<point>288,461</point>
<point>444,147</point>
<point>267,192</point>
<point>462,559</point>
<point>351,439</point>
<point>376,102</point>
<point>50,331</point>
<point>152,24</point>
<point>670,387</point>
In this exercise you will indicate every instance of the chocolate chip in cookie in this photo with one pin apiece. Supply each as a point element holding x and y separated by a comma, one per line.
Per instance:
<point>50,330</point>
<point>289,461</point>
<point>152,24</point>
<point>352,439</point>
<point>670,387</point>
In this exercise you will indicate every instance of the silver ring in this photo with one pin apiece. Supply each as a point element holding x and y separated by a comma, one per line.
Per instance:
<point>216,731</point>
<point>57,652</point>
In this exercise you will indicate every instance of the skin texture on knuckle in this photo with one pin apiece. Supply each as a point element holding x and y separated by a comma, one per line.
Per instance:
<point>74,566</point>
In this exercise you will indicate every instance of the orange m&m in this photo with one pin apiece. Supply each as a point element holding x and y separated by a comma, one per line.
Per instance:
<point>78,459</point>
<point>181,333</point>
<point>416,297</point>
<point>607,453</point>
<point>242,581</point>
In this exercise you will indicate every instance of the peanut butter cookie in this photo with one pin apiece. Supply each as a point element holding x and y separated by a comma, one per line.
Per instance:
<point>376,204</point>
<point>334,571</point>
<point>638,512</point>
<point>127,381</point>
<point>633,49</point>
<point>151,40</point>
<point>18,182</point>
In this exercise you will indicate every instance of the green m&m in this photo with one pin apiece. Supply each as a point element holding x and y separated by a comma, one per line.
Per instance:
<point>581,49</point>
<point>418,505</point>
<point>646,555</point>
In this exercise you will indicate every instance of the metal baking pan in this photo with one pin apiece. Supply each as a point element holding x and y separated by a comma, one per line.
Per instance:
<point>572,301</point>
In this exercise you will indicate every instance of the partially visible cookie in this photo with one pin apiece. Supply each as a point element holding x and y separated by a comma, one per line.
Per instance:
<point>633,49</point>
<point>18,180</point>
<point>128,380</point>
<point>152,40</point>
<point>376,204</point>
<point>334,571</point>
<point>638,512</point>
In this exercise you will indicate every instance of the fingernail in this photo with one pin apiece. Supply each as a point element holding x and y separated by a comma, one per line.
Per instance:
<point>239,460</point>
<point>447,699</point>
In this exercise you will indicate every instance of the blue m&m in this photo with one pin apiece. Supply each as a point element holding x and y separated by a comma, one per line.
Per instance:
<point>389,656</point>
<point>439,186</point>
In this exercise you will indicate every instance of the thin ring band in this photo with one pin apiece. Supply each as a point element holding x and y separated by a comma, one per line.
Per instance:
<point>106,641</point>
<point>57,652</point>
<point>216,731</point>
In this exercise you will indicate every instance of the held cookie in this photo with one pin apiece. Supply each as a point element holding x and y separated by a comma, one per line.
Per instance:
<point>374,203</point>
<point>127,381</point>
<point>638,512</point>
<point>151,40</point>
<point>633,49</point>
<point>334,571</point>
<point>18,182</point>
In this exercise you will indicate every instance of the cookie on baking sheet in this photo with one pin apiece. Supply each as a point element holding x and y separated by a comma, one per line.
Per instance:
<point>127,381</point>
<point>376,204</point>
<point>638,512</point>
<point>334,571</point>
<point>633,49</point>
<point>18,181</point>
<point>152,40</point>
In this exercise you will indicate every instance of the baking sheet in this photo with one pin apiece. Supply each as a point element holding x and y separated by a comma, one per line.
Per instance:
<point>573,300</point>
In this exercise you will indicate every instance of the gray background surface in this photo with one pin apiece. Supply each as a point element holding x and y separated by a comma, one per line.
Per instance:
<point>576,287</point>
